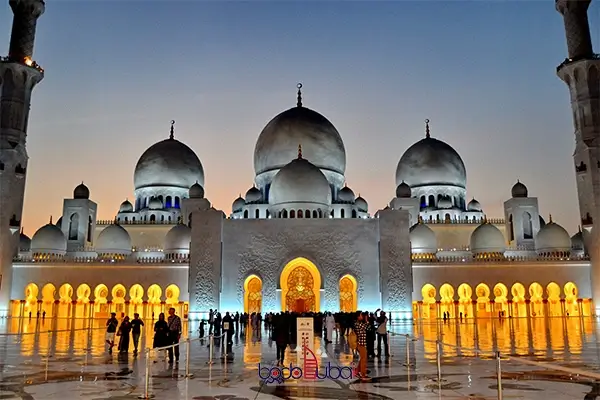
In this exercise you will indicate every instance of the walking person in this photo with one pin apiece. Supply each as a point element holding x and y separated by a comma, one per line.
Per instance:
<point>111,330</point>
<point>281,332</point>
<point>124,331</point>
<point>136,330</point>
<point>228,328</point>
<point>174,323</point>
<point>360,327</point>
<point>211,320</point>
<point>329,327</point>
<point>161,332</point>
<point>382,335</point>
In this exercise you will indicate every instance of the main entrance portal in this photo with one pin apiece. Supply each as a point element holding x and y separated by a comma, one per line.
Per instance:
<point>300,286</point>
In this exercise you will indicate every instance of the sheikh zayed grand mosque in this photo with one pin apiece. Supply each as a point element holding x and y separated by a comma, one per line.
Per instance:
<point>300,239</point>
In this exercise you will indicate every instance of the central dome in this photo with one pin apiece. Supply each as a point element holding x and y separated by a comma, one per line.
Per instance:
<point>321,143</point>
<point>168,163</point>
<point>431,162</point>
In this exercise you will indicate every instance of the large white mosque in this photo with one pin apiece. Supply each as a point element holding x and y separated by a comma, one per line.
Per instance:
<point>298,240</point>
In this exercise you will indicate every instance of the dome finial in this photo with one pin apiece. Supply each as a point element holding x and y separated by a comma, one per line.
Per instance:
<point>550,217</point>
<point>23,230</point>
<point>51,220</point>
<point>171,136</point>
<point>579,228</point>
<point>299,152</point>
<point>299,86</point>
<point>427,135</point>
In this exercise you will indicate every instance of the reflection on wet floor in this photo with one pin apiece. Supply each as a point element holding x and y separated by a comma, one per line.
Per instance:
<point>78,363</point>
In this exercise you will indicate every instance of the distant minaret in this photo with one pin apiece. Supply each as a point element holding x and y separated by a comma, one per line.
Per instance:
<point>18,76</point>
<point>581,72</point>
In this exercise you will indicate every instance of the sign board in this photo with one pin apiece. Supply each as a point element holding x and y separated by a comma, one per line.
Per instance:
<point>225,326</point>
<point>305,338</point>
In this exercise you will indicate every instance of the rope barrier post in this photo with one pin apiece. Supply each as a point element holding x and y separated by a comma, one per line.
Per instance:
<point>438,356</point>
<point>187,358</point>
<point>499,374</point>
<point>146,394</point>
<point>211,344</point>
<point>47,356</point>
<point>407,351</point>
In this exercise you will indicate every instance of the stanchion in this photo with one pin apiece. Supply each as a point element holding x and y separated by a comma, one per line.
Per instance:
<point>211,345</point>
<point>187,358</point>
<point>438,356</point>
<point>407,351</point>
<point>146,395</point>
<point>47,356</point>
<point>499,373</point>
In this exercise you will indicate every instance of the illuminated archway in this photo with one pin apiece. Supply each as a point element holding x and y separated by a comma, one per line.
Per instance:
<point>482,291</point>
<point>348,294</point>
<point>428,293</point>
<point>571,296</point>
<point>172,294</point>
<point>500,298</point>
<point>447,299</point>
<point>518,298</point>
<point>252,294</point>
<point>136,294</point>
<point>154,301</point>
<point>48,293</point>
<point>300,286</point>
<point>553,293</point>
<point>100,300</point>
<point>536,293</point>
<point>31,296</point>
<point>465,300</point>
<point>118,293</point>
<point>83,293</point>
<point>65,293</point>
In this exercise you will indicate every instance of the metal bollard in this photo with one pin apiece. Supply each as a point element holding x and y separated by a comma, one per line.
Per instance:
<point>438,357</point>
<point>47,356</point>
<point>211,345</point>
<point>187,358</point>
<point>147,377</point>
<point>499,374</point>
<point>408,351</point>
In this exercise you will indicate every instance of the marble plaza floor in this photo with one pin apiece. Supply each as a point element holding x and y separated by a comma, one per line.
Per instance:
<point>79,368</point>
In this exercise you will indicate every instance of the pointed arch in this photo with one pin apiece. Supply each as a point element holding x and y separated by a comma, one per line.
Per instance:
<point>252,294</point>
<point>348,293</point>
<point>74,226</point>
<point>300,281</point>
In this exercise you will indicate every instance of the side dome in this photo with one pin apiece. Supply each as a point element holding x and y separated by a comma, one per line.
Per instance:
<point>168,163</point>
<point>178,239</point>
<point>474,205</point>
<point>486,238</point>
<point>422,239</point>
<point>126,206</point>
<point>577,242</point>
<point>238,204</point>
<point>81,192</point>
<point>519,190</point>
<point>403,190</point>
<point>49,239</point>
<point>253,195</point>
<point>24,242</point>
<point>320,140</point>
<point>361,204</point>
<point>300,181</point>
<point>346,195</point>
<point>552,239</point>
<point>196,191</point>
<point>114,239</point>
<point>431,162</point>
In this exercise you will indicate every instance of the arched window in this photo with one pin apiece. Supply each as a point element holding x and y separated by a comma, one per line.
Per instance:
<point>177,202</point>
<point>354,214</point>
<point>133,219</point>
<point>152,218</point>
<point>89,228</point>
<point>431,201</point>
<point>423,202</point>
<point>73,226</point>
<point>257,213</point>
<point>292,213</point>
<point>126,220</point>
<point>245,213</point>
<point>190,220</point>
<point>162,218</point>
<point>511,228</point>
<point>138,203</point>
<point>168,202</point>
<point>342,213</point>
<point>284,214</point>
<point>300,213</point>
<point>527,226</point>
<point>320,213</point>
<point>315,214</point>
<point>161,199</point>
<point>307,214</point>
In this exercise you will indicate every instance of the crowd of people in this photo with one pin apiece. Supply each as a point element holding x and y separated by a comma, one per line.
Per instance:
<point>363,332</point>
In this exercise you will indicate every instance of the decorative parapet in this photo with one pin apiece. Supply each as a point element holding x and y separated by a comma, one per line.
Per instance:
<point>28,62</point>
<point>475,221</point>
<point>132,260</point>
<point>497,259</point>
<point>575,59</point>
<point>137,222</point>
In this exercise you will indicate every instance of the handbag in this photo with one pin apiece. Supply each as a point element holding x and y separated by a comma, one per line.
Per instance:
<point>352,339</point>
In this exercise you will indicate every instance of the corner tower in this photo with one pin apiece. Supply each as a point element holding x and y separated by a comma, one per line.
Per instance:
<point>581,72</point>
<point>19,74</point>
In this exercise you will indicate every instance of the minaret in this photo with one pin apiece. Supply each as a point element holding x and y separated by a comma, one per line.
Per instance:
<point>581,72</point>
<point>18,76</point>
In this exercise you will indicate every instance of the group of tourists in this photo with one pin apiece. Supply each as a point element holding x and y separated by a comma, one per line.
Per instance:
<point>167,332</point>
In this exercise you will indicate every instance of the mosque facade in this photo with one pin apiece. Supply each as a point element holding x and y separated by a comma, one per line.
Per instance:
<point>299,239</point>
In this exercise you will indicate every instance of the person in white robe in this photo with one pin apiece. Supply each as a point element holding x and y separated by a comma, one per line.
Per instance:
<point>329,326</point>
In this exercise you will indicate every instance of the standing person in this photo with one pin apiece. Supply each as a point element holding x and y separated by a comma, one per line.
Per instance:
<point>281,332</point>
<point>228,327</point>
<point>360,327</point>
<point>236,319</point>
<point>111,330</point>
<point>136,330</point>
<point>329,327</point>
<point>382,334</point>
<point>161,331</point>
<point>211,320</point>
<point>202,323</point>
<point>174,323</point>
<point>124,331</point>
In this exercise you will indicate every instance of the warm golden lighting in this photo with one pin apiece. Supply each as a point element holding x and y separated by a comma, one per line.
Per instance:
<point>252,294</point>
<point>300,286</point>
<point>348,294</point>
<point>28,61</point>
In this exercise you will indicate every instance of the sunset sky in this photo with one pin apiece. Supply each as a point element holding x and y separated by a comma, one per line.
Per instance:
<point>483,72</point>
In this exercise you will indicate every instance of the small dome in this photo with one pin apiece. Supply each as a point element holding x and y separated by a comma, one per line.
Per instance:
<point>300,182</point>
<point>423,239</point>
<point>178,238</point>
<point>24,242</point>
<point>445,202</point>
<point>361,204</point>
<point>49,239</point>
<point>552,238</point>
<point>346,195</point>
<point>155,204</point>
<point>519,190</point>
<point>253,195</point>
<point>474,206</point>
<point>81,192</point>
<point>196,191</point>
<point>238,204</point>
<point>486,238</point>
<point>577,241</point>
<point>403,191</point>
<point>114,239</point>
<point>126,206</point>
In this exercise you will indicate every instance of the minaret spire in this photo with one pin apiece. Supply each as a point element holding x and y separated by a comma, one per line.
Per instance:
<point>299,152</point>
<point>172,133</point>
<point>299,103</point>
<point>427,135</point>
<point>26,14</point>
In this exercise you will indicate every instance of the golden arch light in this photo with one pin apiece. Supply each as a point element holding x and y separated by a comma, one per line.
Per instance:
<point>348,293</point>
<point>300,283</point>
<point>252,294</point>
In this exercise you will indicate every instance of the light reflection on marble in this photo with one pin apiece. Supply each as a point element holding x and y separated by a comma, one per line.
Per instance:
<point>92,374</point>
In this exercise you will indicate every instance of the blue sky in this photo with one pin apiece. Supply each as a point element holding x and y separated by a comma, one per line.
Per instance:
<point>483,72</point>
